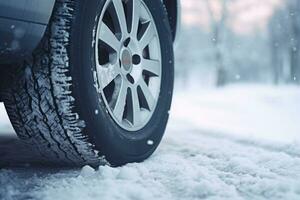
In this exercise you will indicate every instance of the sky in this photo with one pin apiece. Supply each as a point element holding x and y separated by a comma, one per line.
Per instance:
<point>245,16</point>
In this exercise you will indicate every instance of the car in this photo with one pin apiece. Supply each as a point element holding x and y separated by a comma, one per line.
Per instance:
<point>88,82</point>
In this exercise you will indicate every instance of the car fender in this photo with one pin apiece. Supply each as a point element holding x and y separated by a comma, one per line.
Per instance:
<point>22,26</point>
<point>173,8</point>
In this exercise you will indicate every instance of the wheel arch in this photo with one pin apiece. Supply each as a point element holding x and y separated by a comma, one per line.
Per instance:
<point>173,8</point>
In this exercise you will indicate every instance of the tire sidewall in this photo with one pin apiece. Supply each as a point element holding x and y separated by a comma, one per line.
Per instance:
<point>116,144</point>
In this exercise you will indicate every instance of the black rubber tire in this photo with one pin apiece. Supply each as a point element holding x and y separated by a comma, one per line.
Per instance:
<point>53,101</point>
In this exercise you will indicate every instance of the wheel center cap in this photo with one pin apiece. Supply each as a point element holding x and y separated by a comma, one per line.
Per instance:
<point>126,60</point>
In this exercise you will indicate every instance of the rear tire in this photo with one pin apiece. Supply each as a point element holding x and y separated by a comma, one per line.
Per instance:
<point>55,103</point>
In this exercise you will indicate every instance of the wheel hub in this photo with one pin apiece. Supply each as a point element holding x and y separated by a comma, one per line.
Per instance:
<point>130,87</point>
<point>126,60</point>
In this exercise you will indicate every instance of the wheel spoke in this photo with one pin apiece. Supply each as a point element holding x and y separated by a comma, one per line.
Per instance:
<point>147,94</point>
<point>136,109</point>
<point>107,74</point>
<point>121,16</point>
<point>107,36</point>
<point>152,66</point>
<point>135,17</point>
<point>121,102</point>
<point>148,36</point>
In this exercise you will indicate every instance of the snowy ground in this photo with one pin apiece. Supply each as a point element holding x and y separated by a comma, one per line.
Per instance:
<point>239,142</point>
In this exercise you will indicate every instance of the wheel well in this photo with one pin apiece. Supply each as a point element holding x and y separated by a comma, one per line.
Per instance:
<point>173,10</point>
<point>6,78</point>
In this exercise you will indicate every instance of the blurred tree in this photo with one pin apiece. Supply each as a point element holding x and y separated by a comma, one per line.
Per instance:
<point>294,12</point>
<point>218,12</point>
<point>284,29</point>
<point>279,44</point>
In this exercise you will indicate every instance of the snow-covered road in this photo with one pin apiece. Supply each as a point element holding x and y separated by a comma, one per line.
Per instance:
<point>234,143</point>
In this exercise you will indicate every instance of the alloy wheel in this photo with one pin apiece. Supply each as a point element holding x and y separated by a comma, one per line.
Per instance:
<point>128,62</point>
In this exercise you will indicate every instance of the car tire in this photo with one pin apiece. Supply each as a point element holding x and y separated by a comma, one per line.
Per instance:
<point>58,102</point>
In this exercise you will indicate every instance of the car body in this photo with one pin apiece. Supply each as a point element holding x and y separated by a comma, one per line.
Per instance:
<point>22,25</point>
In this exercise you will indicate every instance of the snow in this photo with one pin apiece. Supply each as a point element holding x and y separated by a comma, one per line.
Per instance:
<point>87,171</point>
<point>5,125</point>
<point>256,111</point>
<point>238,142</point>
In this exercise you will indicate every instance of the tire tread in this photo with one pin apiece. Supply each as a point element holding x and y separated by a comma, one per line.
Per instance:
<point>40,103</point>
